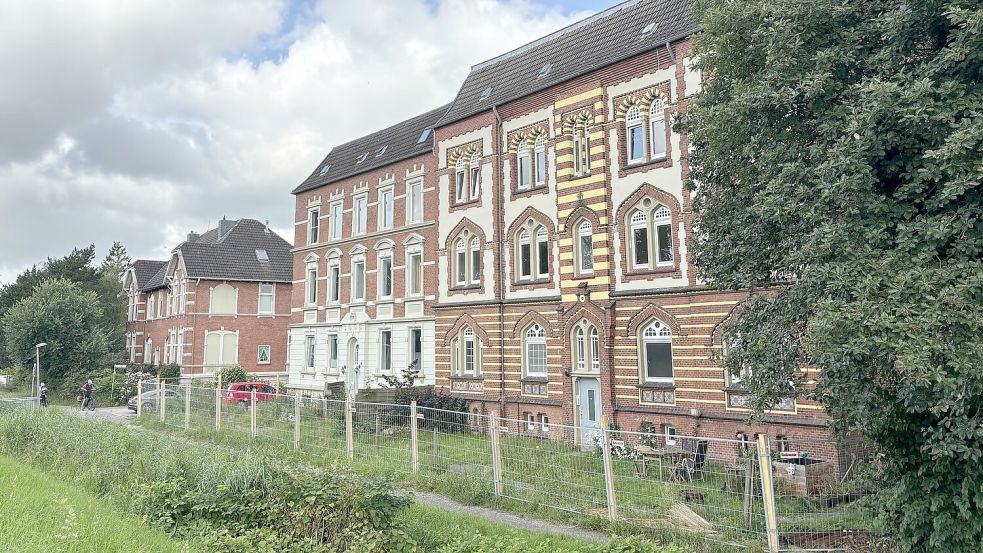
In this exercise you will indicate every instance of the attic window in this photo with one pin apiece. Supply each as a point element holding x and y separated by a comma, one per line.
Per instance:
<point>261,255</point>
<point>362,157</point>
<point>544,70</point>
<point>485,94</point>
<point>324,169</point>
<point>424,135</point>
<point>648,28</point>
<point>382,150</point>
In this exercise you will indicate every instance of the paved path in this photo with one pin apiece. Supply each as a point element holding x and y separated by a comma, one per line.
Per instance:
<point>122,415</point>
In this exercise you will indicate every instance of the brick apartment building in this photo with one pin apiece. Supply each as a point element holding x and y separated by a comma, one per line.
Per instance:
<point>222,298</point>
<point>559,283</point>
<point>365,261</point>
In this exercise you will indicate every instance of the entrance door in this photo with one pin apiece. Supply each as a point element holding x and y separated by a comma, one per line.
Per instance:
<point>589,390</point>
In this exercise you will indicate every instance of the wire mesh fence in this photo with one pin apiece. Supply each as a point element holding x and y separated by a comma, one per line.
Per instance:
<point>774,494</point>
<point>12,403</point>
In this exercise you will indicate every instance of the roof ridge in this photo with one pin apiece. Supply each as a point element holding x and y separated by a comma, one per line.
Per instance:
<point>544,39</point>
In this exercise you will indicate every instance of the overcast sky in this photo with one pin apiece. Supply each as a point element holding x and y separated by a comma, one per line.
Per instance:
<point>141,120</point>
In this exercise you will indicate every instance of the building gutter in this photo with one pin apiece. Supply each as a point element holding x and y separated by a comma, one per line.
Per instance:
<point>499,168</point>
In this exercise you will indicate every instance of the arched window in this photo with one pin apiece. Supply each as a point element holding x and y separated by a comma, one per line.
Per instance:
<point>475,167</point>
<point>524,166</point>
<point>638,225</point>
<point>532,260</point>
<point>585,247</point>
<point>662,226</point>
<point>466,353</point>
<point>540,160</point>
<point>581,146</point>
<point>635,140</point>
<point>461,257</point>
<point>542,253</point>
<point>586,348</point>
<point>656,354</point>
<point>223,299</point>
<point>221,348</point>
<point>475,250</point>
<point>460,177</point>
<point>650,230</point>
<point>657,130</point>
<point>535,350</point>
<point>525,255</point>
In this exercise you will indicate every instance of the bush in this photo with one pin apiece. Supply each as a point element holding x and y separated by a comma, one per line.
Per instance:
<point>169,371</point>
<point>233,373</point>
<point>514,544</point>
<point>229,500</point>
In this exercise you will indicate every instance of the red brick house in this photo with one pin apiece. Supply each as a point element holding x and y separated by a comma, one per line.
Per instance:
<point>222,298</point>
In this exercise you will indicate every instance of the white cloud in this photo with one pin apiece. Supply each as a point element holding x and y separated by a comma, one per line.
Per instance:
<point>140,121</point>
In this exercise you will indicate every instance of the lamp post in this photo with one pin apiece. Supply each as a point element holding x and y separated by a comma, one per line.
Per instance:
<point>37,367</point>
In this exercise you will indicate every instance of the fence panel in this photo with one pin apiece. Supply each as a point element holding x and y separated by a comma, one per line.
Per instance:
<point>382,437</point>
<point>14,403</point>
<point>322,427</point>
<point>454,449</point>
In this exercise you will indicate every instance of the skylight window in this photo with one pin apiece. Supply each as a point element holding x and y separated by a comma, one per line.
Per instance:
<point>485,94</point>
<point>324,169</point>
<point>362,157</point>
<point>261,255</point>
<point>544,70</point>
<point>424,135</point>
<point>648,28</point>
<point>382,150</point>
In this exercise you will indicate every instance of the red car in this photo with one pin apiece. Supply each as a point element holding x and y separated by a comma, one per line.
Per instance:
<point>240,393</point>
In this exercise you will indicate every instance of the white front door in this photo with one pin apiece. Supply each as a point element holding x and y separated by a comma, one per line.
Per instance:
<point>354,367</point>
<point>589,410</point>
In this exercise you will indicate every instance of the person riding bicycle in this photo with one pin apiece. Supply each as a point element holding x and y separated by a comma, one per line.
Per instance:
<point>43,395</point>
<point>85,393</point>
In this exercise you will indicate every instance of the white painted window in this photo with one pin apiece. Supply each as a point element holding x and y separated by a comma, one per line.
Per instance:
<point>460,181</point>
<point>525,255</point>
<point>475,173</point>
<point>334,277</point>
<point>595,350</point>
<point>310,349</point>
<point>524,166</point>
<point>634,135</point>
<point>361,215</point>
<point>263,355</point>
<point>415,194</point>
<point>657,130</point>
<point>540,160</point>
<point>358,280</point>
<point>544,423</point>
<point>223,300</point>
<point>662,221</point>
<point>386,276</point>
<point>150,307</point>
<point>656,342</point>
<point>386,351</point>
<point>670,432</point>
<point>221,348</point>
<point>148,349</point>
<point>535,338</point>
<point>585,247</point>
<point>310,285</point>
<point>542,254</point>
<point>470,352</point>
<point>333,351</point>
<point>313,225</point>
<point>415,276</point>
<point>586,352</point>
<point>386,209</point>
<point>337,219</point>
<point>530,422</point>
<point>266,298</point>
<point>638,226</point>
<point>461,255</point>
<point>475,250</point>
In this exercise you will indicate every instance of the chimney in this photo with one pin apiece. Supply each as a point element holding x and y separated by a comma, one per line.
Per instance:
<point>267,226</point>
<point>193,236</point>
<point>224,226</point>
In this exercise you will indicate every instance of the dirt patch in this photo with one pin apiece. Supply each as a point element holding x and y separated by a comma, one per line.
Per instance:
<point>847,540</point>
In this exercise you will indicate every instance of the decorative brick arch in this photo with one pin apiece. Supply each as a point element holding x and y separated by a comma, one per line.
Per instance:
<point>530,133</point>
<point>642,98</point>
<point>465,151</point>
<point>580,212</point>
<point>588,311</point>
<point>536,215</point>
<point>658,196</point>
<point>649,191</point>
<point>572,119</point>
<point>717,334</point>
<point>468,224</point>
<point>650,312</point>
<point>530,318</point>
<point>461,322</point>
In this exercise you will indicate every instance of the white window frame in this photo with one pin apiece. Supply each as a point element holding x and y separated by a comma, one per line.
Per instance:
<point>585,247</point>
<point>460,181</point>
<point>211,300</point>
<point>310,285</point>
<point>414,203</point>
<point>337,219</point>
<point>530,422</point>
<point>259,351</point>
<point>310,352</point>
<point>360,214</point>
<point>386,350</point>
<point>460,262</point>
<point>469,337</point>
<point>670,434</point>
<point>313,225</point>
<point>526,241</point>
<point>383,274</point>
<point>534,336</point>
<point>523,165</point>
<point>333,352</point>
<point>221,347</point>
<point>414,278</point>
<point>387,208</point>
<point>661,218</point>
<point>638,220</point>
<point>657,128</point>
<point>356,274</point>
<point>474,174</point>
<point>544,423</point>
<point>633,122</point>
<point>474,260</point>
<point>655,332</point>
<point>540,169</point>
<point>334,282</point>
<point>542,239</point>
<point>271,294</point>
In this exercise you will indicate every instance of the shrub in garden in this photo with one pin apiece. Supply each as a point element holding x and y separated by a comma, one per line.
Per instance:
<point>169,371</point>
<point>515,544</point>
<point>233,373</point>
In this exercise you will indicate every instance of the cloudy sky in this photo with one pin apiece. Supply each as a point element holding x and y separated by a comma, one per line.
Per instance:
<point>141,120</point>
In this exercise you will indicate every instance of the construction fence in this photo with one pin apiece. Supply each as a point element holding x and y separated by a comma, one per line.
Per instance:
<point>760,494</point>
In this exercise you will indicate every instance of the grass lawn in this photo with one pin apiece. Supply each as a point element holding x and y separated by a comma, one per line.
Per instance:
<point>42,514</point>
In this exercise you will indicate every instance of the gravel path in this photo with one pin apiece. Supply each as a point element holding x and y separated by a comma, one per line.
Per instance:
<point>122,415</point>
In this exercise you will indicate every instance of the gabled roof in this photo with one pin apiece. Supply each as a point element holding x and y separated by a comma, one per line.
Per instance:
<point>144,270</point>
<point>229,253</point>
<point>610,36</point>
<point>396,143</point>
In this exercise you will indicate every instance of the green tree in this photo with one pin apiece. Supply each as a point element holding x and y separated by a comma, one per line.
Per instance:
<point>113,300</point>
<point>837,150</point>
<point>60,313</point>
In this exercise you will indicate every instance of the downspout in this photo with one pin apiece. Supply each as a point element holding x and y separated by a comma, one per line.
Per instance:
<point>501,264</point>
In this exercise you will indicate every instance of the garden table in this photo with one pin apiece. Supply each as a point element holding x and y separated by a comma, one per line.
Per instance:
<point>671,454</point>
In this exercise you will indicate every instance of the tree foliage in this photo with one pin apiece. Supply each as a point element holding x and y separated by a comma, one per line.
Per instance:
<point>837,148</point>
<point>65,317</point>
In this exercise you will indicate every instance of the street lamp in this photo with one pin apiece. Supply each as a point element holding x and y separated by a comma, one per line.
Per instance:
<point>37,367</point>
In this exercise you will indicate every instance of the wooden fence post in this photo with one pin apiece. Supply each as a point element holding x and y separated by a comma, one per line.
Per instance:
<point>349,429</point>
<point>218,404</point>
<point>139,397</point>
<point>414,428</point>
<point>496,444</point>
<point>187,406</point>
<point>768,492</point>
<point>162,401</point>
<point>252,412</point>
<point>297,400</point>
<point>158,403</point>
<point>377,431</point>
<point>608,471</point>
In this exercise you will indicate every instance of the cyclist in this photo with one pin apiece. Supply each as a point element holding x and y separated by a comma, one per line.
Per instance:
<point>85,393</point>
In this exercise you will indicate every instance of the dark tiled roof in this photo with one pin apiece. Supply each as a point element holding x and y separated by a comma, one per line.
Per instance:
<point>399,142</point>
<point>145,269</point>
<point>232,256</point>
<point>605,38</point>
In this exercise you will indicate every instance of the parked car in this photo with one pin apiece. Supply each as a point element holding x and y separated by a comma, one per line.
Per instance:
<point>149,400</point>
<point>239,393</point>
